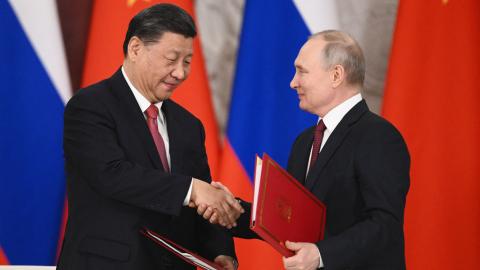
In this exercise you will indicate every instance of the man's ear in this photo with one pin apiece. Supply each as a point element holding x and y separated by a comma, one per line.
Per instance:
<point>337,75</point>
<point>135,46</point>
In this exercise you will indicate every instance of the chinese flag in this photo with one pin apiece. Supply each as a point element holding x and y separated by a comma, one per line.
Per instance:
<point>432,95</point>
<point>104,56</point>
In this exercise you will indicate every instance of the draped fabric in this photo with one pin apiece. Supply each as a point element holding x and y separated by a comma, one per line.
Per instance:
<point>432,96</point>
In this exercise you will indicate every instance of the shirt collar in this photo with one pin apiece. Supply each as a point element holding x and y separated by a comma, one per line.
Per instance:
<point>334,116</point>
<point>141,100</point>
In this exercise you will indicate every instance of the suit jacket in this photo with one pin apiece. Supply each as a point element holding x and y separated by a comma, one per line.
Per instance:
<point>116,183</point>
<point>362,176</point>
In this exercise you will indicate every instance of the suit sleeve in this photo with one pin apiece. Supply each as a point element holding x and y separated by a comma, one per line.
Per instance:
<point>214,240</point>
<point>243,224</point>
<point>382,170</point>
<point>92,152</point>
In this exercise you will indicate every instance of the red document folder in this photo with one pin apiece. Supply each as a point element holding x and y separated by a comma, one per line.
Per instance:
<point>181,252</point>
<point>283,209</point>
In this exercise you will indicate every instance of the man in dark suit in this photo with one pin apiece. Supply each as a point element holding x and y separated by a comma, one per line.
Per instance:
<point>136,159</point>
<point>354,161</point>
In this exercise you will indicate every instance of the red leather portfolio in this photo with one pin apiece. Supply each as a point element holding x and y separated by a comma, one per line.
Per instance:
<point>181,252</point>
<point>283,209</point>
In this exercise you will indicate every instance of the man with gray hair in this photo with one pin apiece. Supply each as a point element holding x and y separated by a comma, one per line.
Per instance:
<point>353,160</point>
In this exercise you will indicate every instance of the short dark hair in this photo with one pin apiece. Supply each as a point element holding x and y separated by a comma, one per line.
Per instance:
<point>151,23</point>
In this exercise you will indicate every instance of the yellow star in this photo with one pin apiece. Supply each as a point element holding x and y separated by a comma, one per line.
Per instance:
<point>132,2</point>
<point>445,2</point>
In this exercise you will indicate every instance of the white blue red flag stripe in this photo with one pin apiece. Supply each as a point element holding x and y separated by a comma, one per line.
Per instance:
<point>34,85</point>
<point>264,115</point>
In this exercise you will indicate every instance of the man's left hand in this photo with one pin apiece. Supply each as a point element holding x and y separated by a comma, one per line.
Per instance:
<point>306,256</point>
<point>226,262</point>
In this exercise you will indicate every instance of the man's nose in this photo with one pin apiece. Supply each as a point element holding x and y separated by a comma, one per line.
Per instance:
<point>293,82</point>
<point>179,72</point>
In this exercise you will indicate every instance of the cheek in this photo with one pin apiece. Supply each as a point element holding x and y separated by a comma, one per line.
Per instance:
<point>314,95</point>
<point>308,82</point>
<point>186,70</point>
<point>310,98</point>
<point>158,70</point>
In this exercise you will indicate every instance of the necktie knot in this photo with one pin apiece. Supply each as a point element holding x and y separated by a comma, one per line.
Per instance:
<point>152,111</point>
<point>320,128</point>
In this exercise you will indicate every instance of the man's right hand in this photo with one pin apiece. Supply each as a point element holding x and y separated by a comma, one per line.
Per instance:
<point>225,206</point>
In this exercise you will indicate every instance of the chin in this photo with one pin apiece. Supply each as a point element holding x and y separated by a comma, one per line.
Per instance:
<point>164,95</point>
<point>302,106</point>
<point>306,109</point>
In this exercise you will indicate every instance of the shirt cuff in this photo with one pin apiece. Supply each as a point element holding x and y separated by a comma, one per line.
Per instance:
<point>320,264</point>
<point>189,194</point>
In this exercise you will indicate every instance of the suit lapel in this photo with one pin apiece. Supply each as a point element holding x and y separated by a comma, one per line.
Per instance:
<point>332,144</point>
<point>135,116</point>
<point>298,168</point>
<point>174,130</point>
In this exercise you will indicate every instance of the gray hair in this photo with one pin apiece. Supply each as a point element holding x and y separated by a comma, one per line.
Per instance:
<point>342,49</point>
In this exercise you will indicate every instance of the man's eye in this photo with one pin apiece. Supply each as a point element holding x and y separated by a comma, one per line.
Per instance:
<point>170,59</point>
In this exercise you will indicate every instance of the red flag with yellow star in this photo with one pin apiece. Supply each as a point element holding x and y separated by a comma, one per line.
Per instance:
<point>432,94</point>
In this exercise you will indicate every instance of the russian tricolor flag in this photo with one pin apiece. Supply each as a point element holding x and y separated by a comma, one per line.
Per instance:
<point>264,114</point>
<point>34,86</point>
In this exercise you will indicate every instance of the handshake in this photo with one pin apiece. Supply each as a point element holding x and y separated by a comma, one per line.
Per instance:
<point>215,203</point>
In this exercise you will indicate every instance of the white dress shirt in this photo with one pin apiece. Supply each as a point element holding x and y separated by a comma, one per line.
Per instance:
<point>143,103</point>
<point>333,118</point>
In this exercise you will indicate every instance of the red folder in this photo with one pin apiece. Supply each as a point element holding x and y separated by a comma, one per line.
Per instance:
<point>283,209</point>
<point>181,252</point>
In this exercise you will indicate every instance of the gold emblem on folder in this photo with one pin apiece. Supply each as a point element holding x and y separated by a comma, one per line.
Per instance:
<point>284,209</point>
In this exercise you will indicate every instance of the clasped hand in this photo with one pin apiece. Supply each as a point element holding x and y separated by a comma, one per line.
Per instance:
<point>215,203</point>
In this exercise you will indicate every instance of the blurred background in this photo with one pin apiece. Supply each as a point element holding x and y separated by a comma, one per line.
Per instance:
<point>422,67</point>
<point>219,23</point>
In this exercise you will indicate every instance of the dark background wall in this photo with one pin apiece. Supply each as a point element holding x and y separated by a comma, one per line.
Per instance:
<point>75,22</point>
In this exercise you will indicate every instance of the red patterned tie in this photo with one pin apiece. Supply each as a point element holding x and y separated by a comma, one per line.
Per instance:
<point>152,115</point>
<point>317,142</point>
